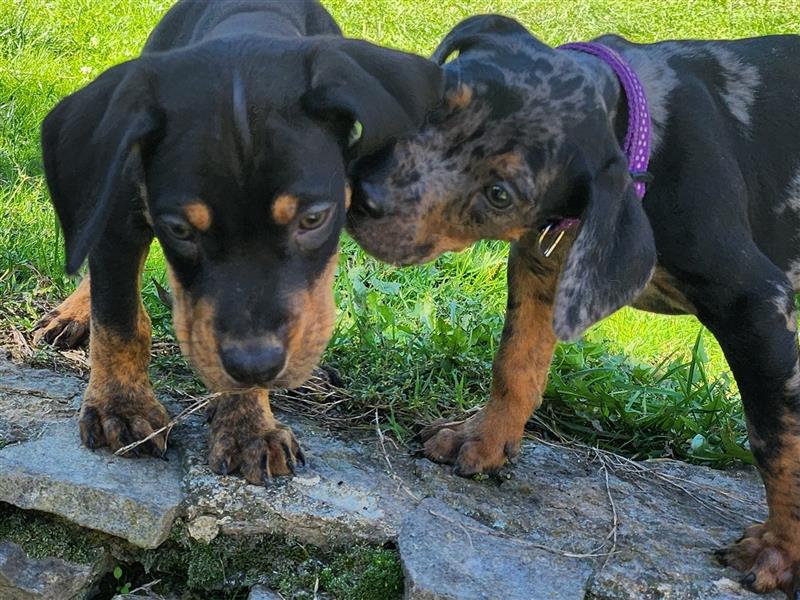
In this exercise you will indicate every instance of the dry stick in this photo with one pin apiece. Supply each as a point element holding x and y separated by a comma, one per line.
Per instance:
<point>146,587</point>
<point>630,466</point>
<point>518,541</point>
<point>394,475</point>
<point>615,519</point>
<point>21,342</point>
<point>639,470</point>
<point>186,412</point>
<point>733,497</point>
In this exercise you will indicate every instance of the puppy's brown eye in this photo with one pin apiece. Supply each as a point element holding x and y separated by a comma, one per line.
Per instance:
<point>314,220</point>
<point>499,195</point>
<point>177,228</point>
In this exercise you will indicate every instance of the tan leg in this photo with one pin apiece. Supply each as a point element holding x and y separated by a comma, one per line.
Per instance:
<point>769,554</point>
<point>485,441</point>
<point>119,406</point>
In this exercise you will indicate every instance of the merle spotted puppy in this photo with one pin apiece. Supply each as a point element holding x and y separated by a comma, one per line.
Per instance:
<point>227,140</point>
<point>531,136</point>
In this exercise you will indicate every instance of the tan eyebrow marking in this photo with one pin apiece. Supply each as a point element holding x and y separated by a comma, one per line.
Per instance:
<point>348,195</point>
<point>198,214</point>
<point>461,97</point>
<point>510,163</point>
<point>284,208</point>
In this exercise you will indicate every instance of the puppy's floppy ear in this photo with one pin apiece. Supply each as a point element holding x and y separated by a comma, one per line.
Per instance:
<point>91,143</point>
<point>387,92</point>
<point>478,32</point>
<point>612,257</point>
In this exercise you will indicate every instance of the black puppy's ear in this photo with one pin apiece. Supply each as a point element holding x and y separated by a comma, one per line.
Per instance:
<point>480,31</point>
<point>611,259</point>
<point>91,144</point>
<point>383,93</point>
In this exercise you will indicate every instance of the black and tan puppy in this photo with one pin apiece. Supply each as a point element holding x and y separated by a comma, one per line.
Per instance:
<point>227,140</point>
<point>532,135</point>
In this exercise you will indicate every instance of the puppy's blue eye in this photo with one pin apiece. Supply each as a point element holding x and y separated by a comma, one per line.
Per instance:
<point>355,134</point>
<point>499,195</point>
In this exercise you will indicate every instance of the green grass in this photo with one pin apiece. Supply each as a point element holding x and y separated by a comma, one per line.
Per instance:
<point>416,343</point>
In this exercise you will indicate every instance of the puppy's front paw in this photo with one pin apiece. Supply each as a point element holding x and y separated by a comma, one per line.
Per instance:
<point>247,439</point>
<point>767,559</point>
<point>472,446</point>
<point>116,417</point>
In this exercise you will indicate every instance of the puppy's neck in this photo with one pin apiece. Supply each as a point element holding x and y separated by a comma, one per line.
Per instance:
<point>610,89</point>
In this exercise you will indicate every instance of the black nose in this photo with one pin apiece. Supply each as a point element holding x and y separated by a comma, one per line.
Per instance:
<point>253,363</point>
<point>370,199</point>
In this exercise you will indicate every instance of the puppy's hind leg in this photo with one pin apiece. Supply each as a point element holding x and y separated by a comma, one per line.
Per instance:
<point>753,317</point>
<point>67,326</point>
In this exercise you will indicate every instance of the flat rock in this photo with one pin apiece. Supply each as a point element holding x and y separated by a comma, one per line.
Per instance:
<point>261,593</point>
<point>561,523</point>
<point>447,555</point>
<point>340,497</point>
<point>136,500</point>
<point>31,398</point>
<point>23,578</point>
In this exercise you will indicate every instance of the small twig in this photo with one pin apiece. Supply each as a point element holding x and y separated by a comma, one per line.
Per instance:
<point>383,445</point>
<point>520,542</point>
<point>615,519</point>
<point>22,344</point>
<point>392,472</point>
<point>466,532</point>
<point>627,465</point>
<point>145,588</point>
<point>185,413</point>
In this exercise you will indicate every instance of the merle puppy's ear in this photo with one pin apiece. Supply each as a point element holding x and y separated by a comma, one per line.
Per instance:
<point>612,257</point>
<point>91,144</point>
<point>384,93</point>
<point>478,32</point>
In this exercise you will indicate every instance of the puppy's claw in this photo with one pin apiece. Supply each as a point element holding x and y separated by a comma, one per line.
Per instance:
<point>289,458</point>
<point>748,580</point>
<point>266,477</point>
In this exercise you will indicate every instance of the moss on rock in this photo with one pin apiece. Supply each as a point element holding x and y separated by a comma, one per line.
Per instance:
<point>42,536</point>
<point>222,569</point>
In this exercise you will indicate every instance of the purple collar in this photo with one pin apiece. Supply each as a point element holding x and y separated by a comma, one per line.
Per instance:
<point>637,139</point>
